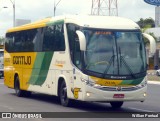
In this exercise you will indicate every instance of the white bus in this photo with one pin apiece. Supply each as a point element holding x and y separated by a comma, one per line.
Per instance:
<point>87,58</point>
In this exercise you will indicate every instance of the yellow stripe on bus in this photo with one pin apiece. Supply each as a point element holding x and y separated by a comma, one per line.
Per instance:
<point>106,82</point>
<point>38,24</point>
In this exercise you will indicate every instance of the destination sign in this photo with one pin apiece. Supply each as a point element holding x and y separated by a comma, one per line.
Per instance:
<point>153,2</point>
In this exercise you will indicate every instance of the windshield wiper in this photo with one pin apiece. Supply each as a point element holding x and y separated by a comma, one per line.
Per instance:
<point>125,63</point>
<point>110,63</point>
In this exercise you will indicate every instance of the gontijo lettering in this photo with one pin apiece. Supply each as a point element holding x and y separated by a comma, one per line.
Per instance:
<point>22,60</point>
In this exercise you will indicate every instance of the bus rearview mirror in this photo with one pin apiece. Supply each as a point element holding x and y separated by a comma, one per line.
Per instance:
<point>82,40</point>
<point>152,43</point>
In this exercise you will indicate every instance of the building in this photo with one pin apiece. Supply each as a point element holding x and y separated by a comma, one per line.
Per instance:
<point>20,22</point>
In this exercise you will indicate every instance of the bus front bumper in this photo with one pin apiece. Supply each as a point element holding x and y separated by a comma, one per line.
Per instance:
<point>98,95</point>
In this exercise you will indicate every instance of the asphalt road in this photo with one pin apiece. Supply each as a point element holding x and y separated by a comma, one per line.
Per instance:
<point>9,102</point>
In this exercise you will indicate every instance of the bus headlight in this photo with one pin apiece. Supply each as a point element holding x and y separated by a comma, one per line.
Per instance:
<point>145,94</point>
<point>88,94</point>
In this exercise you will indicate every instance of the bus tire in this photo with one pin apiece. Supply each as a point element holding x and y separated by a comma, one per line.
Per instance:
<point>117,104</point>
<point>18,91</point>
<point>63,95</point>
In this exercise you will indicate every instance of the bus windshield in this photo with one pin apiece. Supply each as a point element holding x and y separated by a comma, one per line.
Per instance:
<point>114,52</point>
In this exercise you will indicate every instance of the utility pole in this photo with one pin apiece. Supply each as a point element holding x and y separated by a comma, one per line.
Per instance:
<point>55,5</point>
<point>14,16</point>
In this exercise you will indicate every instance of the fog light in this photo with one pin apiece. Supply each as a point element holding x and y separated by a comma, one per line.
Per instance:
<point>145,94</point>
<point>88,94</point>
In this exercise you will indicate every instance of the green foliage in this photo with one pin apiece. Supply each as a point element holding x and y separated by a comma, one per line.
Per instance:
<point>146,24</point>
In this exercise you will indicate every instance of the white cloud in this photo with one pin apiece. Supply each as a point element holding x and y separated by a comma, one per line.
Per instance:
<point>38,9</point>
<point>136,9</point>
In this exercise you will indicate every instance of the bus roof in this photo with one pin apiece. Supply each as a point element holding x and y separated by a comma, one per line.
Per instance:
<point>104,22</point>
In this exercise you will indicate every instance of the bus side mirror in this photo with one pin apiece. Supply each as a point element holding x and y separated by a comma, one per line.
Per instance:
<point>82,40</point>
<point>152,43</point>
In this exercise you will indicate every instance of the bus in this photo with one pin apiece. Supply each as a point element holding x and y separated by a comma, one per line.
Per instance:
<point>78,57</point>
<point>1,62</point>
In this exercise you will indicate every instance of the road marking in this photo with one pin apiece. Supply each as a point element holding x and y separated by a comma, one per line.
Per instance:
<point>153,82</point>
<point>142,110</point>
<point>1,83</point>
<point>6,107</point>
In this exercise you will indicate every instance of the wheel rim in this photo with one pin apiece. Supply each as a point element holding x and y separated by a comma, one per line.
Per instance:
<point>17,88</point>
<point>64,94</point>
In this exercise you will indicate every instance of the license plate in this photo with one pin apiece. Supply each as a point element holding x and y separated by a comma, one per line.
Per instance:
<point>118,96</point>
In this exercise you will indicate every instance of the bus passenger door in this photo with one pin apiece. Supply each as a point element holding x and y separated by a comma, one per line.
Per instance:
<point>76,71</point>
<point>75,55</point>
<point>77,90</point>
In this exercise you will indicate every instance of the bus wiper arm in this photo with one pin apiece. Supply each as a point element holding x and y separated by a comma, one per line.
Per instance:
<point>125,63</point>
<point>110,63</point>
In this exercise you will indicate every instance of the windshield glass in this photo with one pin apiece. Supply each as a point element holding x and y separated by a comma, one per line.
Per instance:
<point>114,52</point>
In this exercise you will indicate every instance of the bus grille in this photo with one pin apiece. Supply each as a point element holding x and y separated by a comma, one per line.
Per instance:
<point>104,88</point>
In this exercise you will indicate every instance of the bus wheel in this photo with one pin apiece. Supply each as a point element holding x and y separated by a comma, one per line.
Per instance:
<point>116,104</point>
<point>18,91</point>
<point>63,94</point>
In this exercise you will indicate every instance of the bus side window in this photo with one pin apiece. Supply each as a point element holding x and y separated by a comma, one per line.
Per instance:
<point>9,42</point>
<point>17,42</point>
<point>38,39</point>
<point>48,40</point>
<point>54,38</point>
<point>59,38</point>
<point>22,41</point>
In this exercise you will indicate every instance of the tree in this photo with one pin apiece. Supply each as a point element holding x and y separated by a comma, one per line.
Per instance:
<point>145,23</point>
<point>141,22</point>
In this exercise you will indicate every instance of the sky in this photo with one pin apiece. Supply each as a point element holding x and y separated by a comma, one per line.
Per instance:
<point>39,9</point>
